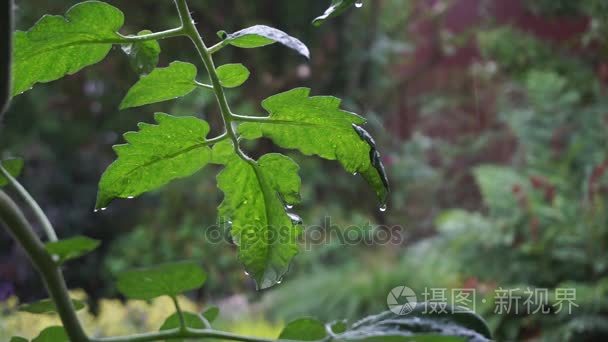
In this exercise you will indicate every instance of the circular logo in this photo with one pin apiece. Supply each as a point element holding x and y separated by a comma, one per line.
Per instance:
<point>401,300</point>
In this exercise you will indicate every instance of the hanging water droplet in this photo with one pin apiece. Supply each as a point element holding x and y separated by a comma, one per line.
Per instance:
<point>383,207</point>
<point>95,210</point>
<point>247,273</point>
<point>295,219</point>
<point>359,3</point>
<point>279,282</point>
<point>131,197</point>
<point>289,206</point>
<point>355,173</point>
<point>104,209</point>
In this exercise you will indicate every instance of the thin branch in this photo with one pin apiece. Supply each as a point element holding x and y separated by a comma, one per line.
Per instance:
<point>175,32</point>
<point>180,314</point>
<point>29,200</point>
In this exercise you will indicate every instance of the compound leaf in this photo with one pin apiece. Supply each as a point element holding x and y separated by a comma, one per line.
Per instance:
<point>192,321</point>
<point>71,248</point>
<point>57,46</point>
<point>162,84</point>
<point>143,56</point>
<point>154,156</point>
<point>337,7</point>
<point>13,166</point>
<point>304,329</point>
<point>47,306</point>
<point>232,75</point>
<point>264,232</point>
<point>317,126</point>
<point>261,35</point>
<point>163,280</point>
<point>52,334</point>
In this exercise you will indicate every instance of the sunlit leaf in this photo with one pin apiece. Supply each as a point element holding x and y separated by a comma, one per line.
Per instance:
<point>162,84</point>
<point>317,126</point>
<point>162,280</point>
<point>47,306</point>
<point>154,156</point>
<point>304,329</point>
<point>264,232</point>
<point>337,7</point>
<point>143,56</point>
<point>13,166</point>
<point>52,334</point>
<point>57,46</point>
<point>71,248</point>
<point>232,75</point>
<point>260,35</point>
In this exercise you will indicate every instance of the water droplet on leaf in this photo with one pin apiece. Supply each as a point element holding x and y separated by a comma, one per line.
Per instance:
<point>383,207</point>
<point>359,3</point>
<point>289,206</point>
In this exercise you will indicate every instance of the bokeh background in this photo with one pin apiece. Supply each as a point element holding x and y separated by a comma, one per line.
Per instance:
<point>492,117</point>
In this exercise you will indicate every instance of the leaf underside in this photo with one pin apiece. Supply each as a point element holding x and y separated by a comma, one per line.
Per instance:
<point>154,156</point>
<point>317,126</point>
<point>57,46</point>
<point>337,7</point>
<point>261,35</point>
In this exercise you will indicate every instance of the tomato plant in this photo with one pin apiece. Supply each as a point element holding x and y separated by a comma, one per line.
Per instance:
<point>258,194</point>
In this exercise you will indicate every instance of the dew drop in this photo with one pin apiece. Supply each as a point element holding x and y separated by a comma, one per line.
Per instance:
<point>96,210</point>
<point>247,273</point>
<point>279,282</point>
<point>359,3</point>
<point>289,206</point>
<point>355,173</point>
<point>131,197</point>
<point>104,209</point>
<point>295,219</point>
<point>383,207</point>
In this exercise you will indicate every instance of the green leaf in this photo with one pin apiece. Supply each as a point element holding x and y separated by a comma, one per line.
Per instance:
<point>232,75</point>
<point>304,329</point>
<point>162,84</point>
<point>57,46</point>
<point>317,126</point>
<point>211,313</point>
<point>143,56</point>
<point>337,7</point>
<point>154,156</point>
<point>261,35</point>
<point>192,321</point>
<point>13,166</point>
<point>71,248</point>
<point>422,324</point>
<point>163,280</point>
<point>52,334</point>
<point>337,327</point>
<point>47,306</point>
<point>18,339</point>
<point>264,232</point>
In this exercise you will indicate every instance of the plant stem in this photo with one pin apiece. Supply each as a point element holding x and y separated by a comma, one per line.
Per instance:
<point>205,54</point>
<point>188,334</point>
<point>29,200</point>
<point>17,225</point>
<point>175,32</point>
<point>180,314</point>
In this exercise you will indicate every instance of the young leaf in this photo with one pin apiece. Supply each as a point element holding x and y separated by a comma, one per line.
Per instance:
<point>260,35</point>
<point>143,56</point>
<point>13,166</point>
<point>232,75</point>
<point>57,46</point>
<point>71,248</point>
<point>264,232</point>
<point>52,334</point>
<point>304,329</point>
<point>154,156</point>
<point>211,313</point>
<point>192,321</point>
<point>317,126</point>
<point>162,84</point>
<point>163,280</point>
<point>337,7</point>
<point>47,306</point>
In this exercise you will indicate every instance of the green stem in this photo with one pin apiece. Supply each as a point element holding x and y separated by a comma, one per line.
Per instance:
<point>14,220</point>
<point>205,54</point>
<point>188,334</point>
<point>180,314</point>
<point>176,32</point>
<point>203,85</point>
<point>217,47</point>
<point>29,200</point>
